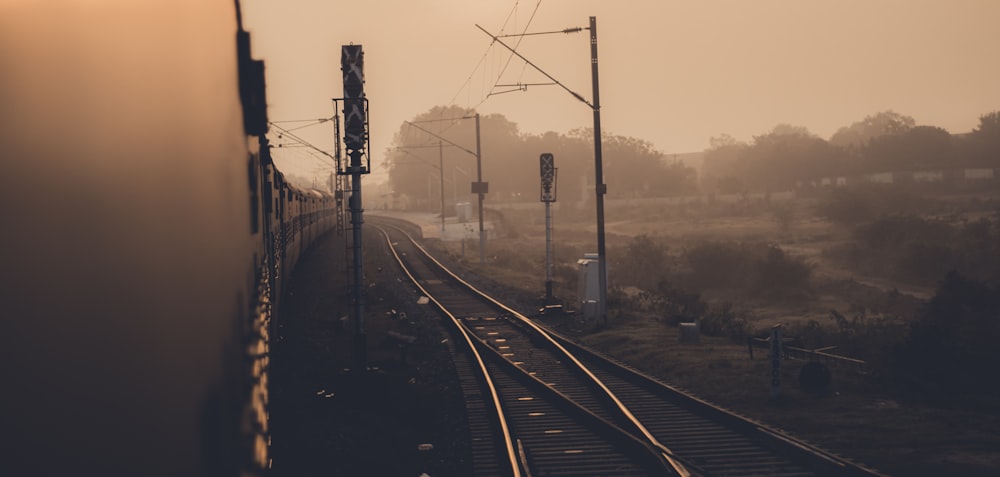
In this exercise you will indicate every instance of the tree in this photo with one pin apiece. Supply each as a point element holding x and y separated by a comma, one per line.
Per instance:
<point>858,134</point>
<point>785,129</point>
<point>917,147</point>
<point>777,160</point>
<point>951,353</point>
<point>982,148</point>
<point>510,160</point>
<point>721,141</point>
<point>720,169</point>
<point>989,126</point>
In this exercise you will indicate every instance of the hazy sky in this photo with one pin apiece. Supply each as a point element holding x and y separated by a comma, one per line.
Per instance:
<point>674,73</point>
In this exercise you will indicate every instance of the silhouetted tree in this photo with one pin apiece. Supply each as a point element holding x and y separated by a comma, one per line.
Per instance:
<point>952,353</point>
<point>982,147</point>
<point>917,147</point>
<point>642,264</point>
<point>788,154</point>
<point>633,168</point>
<point>858,134</point>
<point>721,166</point>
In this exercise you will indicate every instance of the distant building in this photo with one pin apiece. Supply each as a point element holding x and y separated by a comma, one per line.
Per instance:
<point>878,178</point>
<point>928,176</point>
<point>978,174</point>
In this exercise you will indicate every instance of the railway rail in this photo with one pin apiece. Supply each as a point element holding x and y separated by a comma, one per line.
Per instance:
<point>542,405</point>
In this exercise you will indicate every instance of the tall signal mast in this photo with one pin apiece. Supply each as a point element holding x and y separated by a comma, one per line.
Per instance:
<point>356,142</point>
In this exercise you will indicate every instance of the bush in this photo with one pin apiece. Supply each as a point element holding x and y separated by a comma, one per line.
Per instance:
<point>776,275</point>
<point>922,251</point>
<point>851,206</point>
<point>715,265</point>
<point>952,353</point>
<point>727,321</point>
<point>643,263</point>
<point>889,233</point>
<point>761,269</point>
<point>679,306</point>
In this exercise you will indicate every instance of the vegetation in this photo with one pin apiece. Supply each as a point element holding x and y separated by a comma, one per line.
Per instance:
<point>903,276</point>
<point>670,286</point>
<point>951,354</point>
<point>917,250</point>
<point>883,142</point>
<point>856,205</point>
<point>510,160</point>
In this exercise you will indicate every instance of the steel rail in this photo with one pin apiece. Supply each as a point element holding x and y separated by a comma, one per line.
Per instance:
<point>668,454</point>
<point>511,452</point>
<point>794,451</point>
<point>603,431</point>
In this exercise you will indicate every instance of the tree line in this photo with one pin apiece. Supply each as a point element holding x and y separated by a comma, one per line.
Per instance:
<point>882,142</point>
<point>510,158</point>
<point>776,160</point>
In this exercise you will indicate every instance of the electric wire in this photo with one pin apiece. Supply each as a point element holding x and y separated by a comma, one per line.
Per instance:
<point>302,142</point>
<point>487,52</point>
<point>512,53</point>
<point>511,57</point>
<point>482,59</point>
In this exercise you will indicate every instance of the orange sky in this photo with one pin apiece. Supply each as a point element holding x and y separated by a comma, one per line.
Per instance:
<point>673,73</point>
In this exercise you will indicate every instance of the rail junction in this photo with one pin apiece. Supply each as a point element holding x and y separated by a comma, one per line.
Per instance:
<point>539,404</point>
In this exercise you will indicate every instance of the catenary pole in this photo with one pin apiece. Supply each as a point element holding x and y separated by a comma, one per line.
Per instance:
<point>479,179</point>
<point>599,186</point>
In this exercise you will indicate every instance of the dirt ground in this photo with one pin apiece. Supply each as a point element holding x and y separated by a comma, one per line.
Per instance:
<point>326,420</point>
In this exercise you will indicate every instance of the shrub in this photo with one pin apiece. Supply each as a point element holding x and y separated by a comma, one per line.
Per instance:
<point>643,262</point>
<point>677,305</point>
<point>922,251</point>
<point>762,269</point>
<point>714,265</point>
<point>777,275</point>
<point>888,233</point>
<point>951,355</point>
<point>727,321</point>
<point>851,206</point>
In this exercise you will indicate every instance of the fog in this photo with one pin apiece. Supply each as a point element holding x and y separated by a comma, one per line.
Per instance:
<point>672,73</point>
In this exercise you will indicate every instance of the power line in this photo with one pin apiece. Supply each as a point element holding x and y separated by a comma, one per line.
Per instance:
<point>482,59</point>
<point>513,52</point>
<point>286,132</point>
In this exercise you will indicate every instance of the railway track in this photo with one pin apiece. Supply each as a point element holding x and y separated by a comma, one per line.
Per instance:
<point>541,405</point>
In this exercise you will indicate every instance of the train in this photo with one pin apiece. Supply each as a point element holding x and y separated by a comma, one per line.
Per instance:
<point>148,240</point>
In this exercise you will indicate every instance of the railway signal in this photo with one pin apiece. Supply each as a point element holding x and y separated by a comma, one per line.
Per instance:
<point>600,187</point>
<point>547,169</point>
<point>352,64</point>
<point>356,137</point>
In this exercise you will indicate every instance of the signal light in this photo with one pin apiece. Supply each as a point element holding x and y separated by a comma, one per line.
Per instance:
<point>352,61</point>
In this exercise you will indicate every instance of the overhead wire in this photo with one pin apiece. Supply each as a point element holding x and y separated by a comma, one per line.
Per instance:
<point>506,63</point>
<point>482,59</point>
<point>302,142</point>
<point>516,44</point>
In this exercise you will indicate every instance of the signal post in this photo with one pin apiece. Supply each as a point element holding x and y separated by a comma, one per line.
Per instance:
<point>356,142</point>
